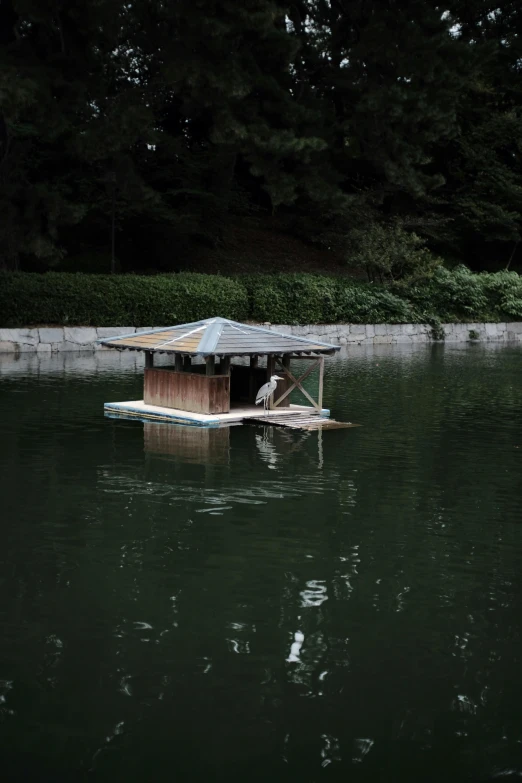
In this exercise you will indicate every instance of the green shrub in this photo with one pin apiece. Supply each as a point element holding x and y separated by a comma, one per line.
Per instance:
<point>504,293</point>
<point>292,298</point>
<point>387,252</point>
<point>450,295</point>
<point>371,304</point>
<point>304,298</point>
<point>460,295</point>
<point>113,300</point>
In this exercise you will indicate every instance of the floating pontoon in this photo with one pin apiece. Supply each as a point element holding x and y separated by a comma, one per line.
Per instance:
<point>214,391</point>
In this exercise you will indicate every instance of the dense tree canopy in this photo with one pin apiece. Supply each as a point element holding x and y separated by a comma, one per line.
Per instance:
<point>157,122</point>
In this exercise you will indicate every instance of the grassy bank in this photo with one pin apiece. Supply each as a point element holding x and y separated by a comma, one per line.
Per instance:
<point>111,300</point>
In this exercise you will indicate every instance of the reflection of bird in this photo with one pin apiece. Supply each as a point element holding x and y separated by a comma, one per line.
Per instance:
<point>267,450</point>
<point>266,390</point>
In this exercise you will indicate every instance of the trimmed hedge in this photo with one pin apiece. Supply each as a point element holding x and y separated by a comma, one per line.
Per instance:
<point>311,299</point>
<point>112,300</point>
<point>129,300</point>
<point>461,295</point>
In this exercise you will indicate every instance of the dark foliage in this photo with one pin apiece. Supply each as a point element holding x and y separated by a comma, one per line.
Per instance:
<point>157,123</point>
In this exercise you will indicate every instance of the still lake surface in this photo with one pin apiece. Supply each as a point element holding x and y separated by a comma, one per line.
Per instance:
<point>260,604</point>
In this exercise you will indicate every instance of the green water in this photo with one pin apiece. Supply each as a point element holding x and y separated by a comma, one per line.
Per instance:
<point>272,607</point>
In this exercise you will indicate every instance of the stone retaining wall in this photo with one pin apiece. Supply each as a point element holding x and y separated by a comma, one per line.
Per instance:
<point>80,338</point>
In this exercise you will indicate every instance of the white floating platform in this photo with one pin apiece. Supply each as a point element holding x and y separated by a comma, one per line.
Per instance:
<point>139,410</point>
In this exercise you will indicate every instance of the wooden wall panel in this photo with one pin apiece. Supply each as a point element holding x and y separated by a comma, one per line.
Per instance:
<point>187,391</point>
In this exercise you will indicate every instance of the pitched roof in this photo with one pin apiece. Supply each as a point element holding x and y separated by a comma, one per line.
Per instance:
<point>217,336</point>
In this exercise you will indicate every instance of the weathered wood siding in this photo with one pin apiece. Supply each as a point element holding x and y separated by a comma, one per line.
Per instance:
<point>187,391</point>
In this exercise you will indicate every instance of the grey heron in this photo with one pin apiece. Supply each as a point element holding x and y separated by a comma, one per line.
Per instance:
<point>266,390</point>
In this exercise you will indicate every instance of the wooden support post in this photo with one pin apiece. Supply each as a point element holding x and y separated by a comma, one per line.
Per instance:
<point>149,359</point>
<point>321,379</point>
<point>254,361</point>
<point>178,362</point>
<point>187,363</point>
<point>224,366</point>
<point>270,370</point>
<point>210,361</point>
<point>283,385</point>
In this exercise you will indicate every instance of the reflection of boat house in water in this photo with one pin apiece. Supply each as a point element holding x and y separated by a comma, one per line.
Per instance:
<point>216,391</point>
<point>196,445</point>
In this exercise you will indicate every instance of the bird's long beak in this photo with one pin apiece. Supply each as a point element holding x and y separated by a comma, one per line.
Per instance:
<point>278,378</point>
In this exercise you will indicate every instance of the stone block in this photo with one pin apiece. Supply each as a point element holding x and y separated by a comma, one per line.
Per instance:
<point>109,331</point>
<point>359,329</point>
<point>461,330</point>
<point>370,330</point>
<point>50,335</point>
<point>513,326</point>
<point>80,335</point>
<point>9,335</point>
<point>342,340</point>
<point>382,339</point>
<point>381,329</point>
<point>25,347</point>
<point>491,330</point>
<point>26,336</point>
<point>67,345</point>
<point>6,346</point>
<point>44,348</point>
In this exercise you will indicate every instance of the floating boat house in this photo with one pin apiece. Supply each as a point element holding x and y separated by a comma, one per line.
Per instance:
<point>215,391</point>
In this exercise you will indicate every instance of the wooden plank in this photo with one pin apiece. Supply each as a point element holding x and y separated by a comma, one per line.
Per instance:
<point>303,423</point>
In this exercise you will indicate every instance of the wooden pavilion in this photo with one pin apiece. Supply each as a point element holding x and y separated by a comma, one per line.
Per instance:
<point>213,390</point>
